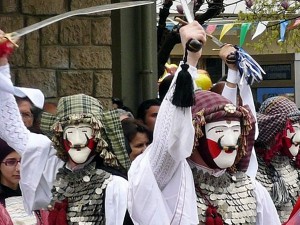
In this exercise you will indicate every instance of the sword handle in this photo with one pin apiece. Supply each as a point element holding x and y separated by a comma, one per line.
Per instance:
<point>9,37</point>
<point>194,45</point>
<point>7,45</point>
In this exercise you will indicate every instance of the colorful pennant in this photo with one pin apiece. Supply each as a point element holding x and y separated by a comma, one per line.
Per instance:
<point>294,25</point>
<point>283,26</point>
<point>225,29</point>
<point>211,28</point>
<point>244,30</point>
<point>261,27</point>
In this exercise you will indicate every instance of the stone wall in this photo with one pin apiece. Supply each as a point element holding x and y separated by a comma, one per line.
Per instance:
<point>68,57</point>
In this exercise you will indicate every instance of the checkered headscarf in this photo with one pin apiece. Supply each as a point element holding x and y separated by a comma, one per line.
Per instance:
<point>213,107</point>
<point>47,120</point>
<point>106,126</point>
<point>273,116</point>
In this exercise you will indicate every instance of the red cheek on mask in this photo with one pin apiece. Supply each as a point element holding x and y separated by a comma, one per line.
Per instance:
<point>91,144</point>
<point>214,148</point>
<point>287,142</point>
<point>67,144</point>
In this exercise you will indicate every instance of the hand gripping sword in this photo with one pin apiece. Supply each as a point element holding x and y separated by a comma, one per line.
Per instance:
<point>188,6</point>
<point>95,9</point>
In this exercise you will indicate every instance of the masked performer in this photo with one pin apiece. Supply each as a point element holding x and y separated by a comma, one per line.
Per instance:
<point>238,91</point>
<point>277,148</point>
<point>161,189</point>
<point>225,194</point>
<point>77,180</point>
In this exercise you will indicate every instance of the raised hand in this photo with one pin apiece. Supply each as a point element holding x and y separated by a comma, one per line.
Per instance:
<point>192,31</point>
<point>7,44</point>
<point>228,55</point>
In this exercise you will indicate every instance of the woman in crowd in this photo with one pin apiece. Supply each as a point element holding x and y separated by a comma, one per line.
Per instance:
<point>9,172</point>
<point>12,209</point>
<point>137,137</point>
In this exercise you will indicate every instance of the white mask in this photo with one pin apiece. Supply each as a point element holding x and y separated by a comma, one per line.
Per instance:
<point>294,137</point>
<point>78,141</point>
<point>222,138</point>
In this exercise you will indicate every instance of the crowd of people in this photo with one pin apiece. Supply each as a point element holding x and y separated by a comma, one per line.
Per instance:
<point>189,157</point>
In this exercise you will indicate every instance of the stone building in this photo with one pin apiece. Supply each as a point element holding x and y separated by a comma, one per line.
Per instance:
<point>83,54</point>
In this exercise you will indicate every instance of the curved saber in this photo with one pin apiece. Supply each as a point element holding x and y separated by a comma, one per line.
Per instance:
<point>84,11</point>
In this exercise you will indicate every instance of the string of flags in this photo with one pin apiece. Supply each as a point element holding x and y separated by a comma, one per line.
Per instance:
<point>285,25</point>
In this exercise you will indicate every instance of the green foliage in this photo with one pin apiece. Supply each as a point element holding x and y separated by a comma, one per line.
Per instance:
<point>273,12</point>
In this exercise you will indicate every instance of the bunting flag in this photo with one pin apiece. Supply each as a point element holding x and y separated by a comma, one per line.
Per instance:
<point>283,25</point>
<point>261,27</point>
<point>225,29</point>
<point>244,30</point>
<point>294,25</point>
<point>211,28</point>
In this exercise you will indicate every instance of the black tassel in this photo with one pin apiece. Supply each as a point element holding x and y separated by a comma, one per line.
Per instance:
<point>184,90</point>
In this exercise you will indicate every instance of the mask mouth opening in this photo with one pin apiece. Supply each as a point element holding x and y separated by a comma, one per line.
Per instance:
<point>228,149</point>
<point>77,147</point>
<point>294,142</point>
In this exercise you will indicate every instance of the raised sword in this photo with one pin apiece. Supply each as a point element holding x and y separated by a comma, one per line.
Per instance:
<point>85,11</point>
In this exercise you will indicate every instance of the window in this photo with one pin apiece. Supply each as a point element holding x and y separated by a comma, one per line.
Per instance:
<point>277,72</point>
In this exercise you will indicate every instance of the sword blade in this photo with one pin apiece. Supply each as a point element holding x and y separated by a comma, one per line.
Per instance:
<point>187,6</point>
<point>215,40</point>
<point>85,11</point>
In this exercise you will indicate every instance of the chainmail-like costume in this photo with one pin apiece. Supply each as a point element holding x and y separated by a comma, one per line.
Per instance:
<point>84,190</point>
<point>233,196</point>
<point>282,182</point>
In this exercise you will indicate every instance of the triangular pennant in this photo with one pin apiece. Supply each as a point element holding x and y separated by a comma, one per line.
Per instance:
<point>261,27</point>
<point>211,28</point>
<point>225,29</point>
<point>283,25</point>
<point>244,29</point>
<point>294,25</point>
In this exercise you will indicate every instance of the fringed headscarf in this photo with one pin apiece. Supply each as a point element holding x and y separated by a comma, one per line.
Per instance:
<point>276,115</point>
<point>82,108</point>
<point>212,107</point>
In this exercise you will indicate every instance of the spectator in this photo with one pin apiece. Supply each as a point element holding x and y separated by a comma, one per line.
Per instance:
<point>124,114</point>
<point>10,192</point>
<point>30,102</point>
<point>137,137</point>
<point>147,112</point>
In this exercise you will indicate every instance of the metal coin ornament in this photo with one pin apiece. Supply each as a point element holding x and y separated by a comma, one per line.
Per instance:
<point>86,178</point>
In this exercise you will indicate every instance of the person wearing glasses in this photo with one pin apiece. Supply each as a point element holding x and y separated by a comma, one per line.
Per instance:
<point>11,204</point>
<point>9,172</point>
<point>30,103</point>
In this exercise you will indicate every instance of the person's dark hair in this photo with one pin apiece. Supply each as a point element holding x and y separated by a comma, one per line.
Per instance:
<point>120,105</point>
<point>36,112</point>
<point>131,127</point>
<point>257,105</point>
<point>144,106</point>
<point>164,86</point>
<point>118,102</point>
